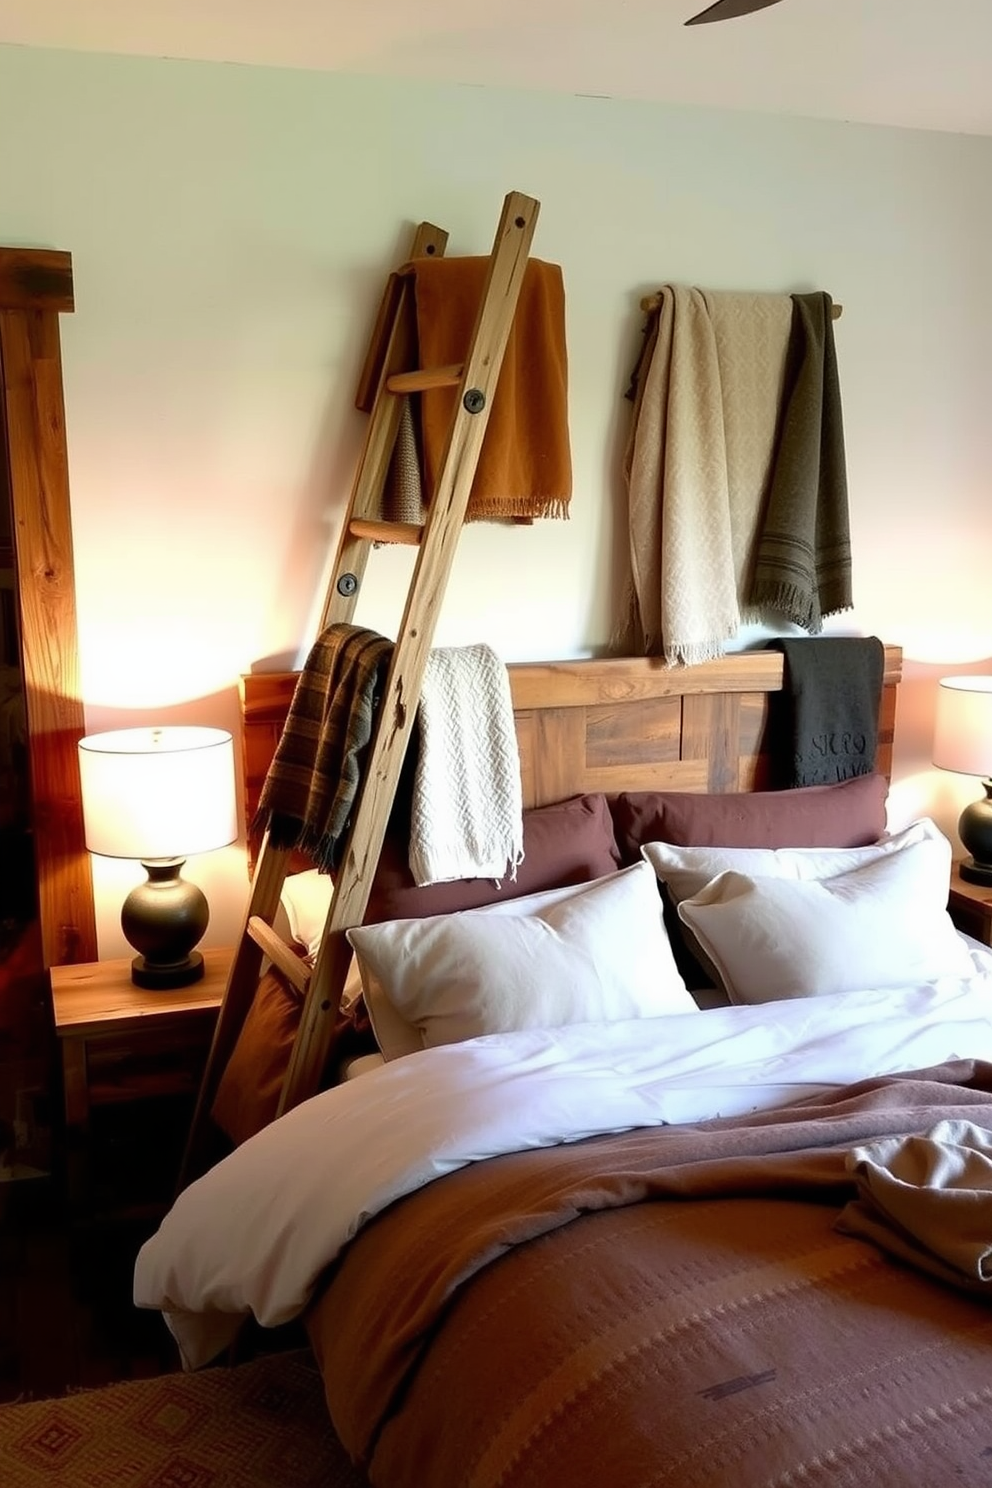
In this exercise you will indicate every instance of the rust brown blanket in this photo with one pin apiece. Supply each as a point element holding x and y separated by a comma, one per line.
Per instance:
<point>684,1313</point>
<point>525,466</point>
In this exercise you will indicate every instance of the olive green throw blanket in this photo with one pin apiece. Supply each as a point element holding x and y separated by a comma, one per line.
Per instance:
<point>310,789</point>
<point>803,560</point>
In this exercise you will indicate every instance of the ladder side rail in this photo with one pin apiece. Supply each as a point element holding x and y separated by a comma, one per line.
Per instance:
<point>239,993</point>
<point>397,712</point>
<point>351,557</point>
<point>392,349</point>
<point>429,241</point>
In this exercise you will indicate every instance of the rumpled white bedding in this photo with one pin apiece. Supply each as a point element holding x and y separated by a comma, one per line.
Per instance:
<point>256,1232</point>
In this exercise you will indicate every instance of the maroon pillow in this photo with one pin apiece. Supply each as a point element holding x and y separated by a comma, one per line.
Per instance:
<point>249,1088</point>
<point>848,814</point>
<point>568,842</point>
<point>248,1091</point>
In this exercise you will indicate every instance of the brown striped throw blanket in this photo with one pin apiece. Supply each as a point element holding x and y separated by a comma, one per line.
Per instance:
<point>310,789</point>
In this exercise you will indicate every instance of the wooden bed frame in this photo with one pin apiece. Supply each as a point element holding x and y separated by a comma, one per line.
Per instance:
<point>627,723</point>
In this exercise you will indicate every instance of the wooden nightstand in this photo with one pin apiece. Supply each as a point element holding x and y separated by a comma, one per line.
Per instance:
<point>970,907</point>
<point>121,1044</point>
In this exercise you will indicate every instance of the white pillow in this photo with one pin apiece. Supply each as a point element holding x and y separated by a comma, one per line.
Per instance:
<point>686,870</point>
<point>596,952</point>
<point>306,898</point>
<point>881,924</point>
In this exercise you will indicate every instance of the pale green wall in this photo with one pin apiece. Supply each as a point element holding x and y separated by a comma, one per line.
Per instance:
<point>230,229</point>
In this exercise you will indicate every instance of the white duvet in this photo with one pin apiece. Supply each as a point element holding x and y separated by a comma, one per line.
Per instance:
<point>255,1233</point>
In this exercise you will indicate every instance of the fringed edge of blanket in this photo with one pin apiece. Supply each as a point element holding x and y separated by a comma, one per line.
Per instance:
<point>690,653</point>
<point>791,602</point>
<point>498,865</point>
<point>506,509</point>
<point>290,834</point>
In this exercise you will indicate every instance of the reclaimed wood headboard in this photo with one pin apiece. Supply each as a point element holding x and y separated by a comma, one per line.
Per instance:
<point>622,723</point>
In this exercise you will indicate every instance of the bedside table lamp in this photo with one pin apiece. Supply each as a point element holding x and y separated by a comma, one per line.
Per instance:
<point>963,742</point>
<point>159,795</point>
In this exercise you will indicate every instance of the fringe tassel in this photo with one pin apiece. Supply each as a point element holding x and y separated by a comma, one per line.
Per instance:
<point>529,508</point>
<point>692,653</point>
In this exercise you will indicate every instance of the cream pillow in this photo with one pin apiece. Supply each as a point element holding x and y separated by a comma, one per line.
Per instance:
<point>596,952</point>
<point>686,870</point>
<point>306,898</point>
<point>882,924</point>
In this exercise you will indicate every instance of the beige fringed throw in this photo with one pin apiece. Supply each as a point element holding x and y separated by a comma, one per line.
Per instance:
<point>310,788</point>
<point>524,468</point>
<point>698,462</point>
<point>752,340</point>
<point>467,818</point>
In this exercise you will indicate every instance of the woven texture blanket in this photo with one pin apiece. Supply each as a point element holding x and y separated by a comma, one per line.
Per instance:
<point>310,788</point>
<point>824,723</point>
<point>662,1307</point>
<point>752,334</point>
<point>676,465</point>
<point>525,467</point>
<point>803,562</point>
<point>466,817</point>
<point>698,464</point>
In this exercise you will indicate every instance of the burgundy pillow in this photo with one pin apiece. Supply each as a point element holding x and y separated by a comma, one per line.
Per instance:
<point>848,814</point>
<point>249,1088</point>
<point>568,842</point>
<point>248,1091</point>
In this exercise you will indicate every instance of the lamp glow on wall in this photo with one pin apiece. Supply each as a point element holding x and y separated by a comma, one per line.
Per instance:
<point>159,795</point>
<point>963,742</point>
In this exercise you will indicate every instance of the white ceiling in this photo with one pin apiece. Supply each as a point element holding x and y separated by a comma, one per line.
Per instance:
<point>918,63</point>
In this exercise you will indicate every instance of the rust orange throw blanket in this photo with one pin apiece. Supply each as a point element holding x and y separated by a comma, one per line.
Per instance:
<point>525,468</point>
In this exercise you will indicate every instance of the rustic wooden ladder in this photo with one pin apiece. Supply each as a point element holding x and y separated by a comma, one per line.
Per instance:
<point>388,376</point>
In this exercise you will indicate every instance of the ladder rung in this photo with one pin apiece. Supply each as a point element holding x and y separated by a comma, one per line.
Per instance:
<point>408,533</point>
<point>423,379</point>
<point>293,969</point>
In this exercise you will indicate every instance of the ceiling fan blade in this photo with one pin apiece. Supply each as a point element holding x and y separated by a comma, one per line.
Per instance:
<point>726,10</point>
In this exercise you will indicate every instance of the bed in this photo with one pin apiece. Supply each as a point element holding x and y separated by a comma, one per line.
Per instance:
<point>738,1231</point>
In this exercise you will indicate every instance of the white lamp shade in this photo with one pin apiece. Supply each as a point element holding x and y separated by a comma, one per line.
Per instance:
<point>157,793</point>
<point>963,731</point>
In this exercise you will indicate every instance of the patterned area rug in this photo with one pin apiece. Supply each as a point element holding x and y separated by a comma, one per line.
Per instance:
<point>258,1425</point>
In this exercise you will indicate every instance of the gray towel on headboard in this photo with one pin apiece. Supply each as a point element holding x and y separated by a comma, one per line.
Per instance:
<point>824,722</point>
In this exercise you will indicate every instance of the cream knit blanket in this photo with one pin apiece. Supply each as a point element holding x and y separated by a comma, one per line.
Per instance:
<point>698,464</point>
<point>928,1200</point>
<point>466,819</point>
<point>752,342</point>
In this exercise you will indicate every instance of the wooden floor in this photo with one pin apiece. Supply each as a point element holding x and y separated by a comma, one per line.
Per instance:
<point>67,1319</point>
<point>67,1250</point>
<point>66,1316</point>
